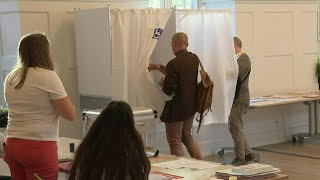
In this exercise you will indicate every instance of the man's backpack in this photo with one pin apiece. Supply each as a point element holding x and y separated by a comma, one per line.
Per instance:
<point>204,96</point>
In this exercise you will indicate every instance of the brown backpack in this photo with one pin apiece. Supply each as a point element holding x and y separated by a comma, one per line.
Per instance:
<point>204,96</point>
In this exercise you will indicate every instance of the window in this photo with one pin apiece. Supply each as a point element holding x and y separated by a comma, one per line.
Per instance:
<point>228,5</point>
<point>155,3</point>
<point>179,4</point>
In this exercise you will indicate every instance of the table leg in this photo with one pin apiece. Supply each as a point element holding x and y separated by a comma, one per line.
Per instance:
<point>316,116</point>
<point>310,118</point>
<point>84,125</point>
<point>301,136</point>
<point>146,138</point>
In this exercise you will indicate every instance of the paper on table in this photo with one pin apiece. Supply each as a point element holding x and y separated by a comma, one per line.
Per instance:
<point>162,176</point>
<point>230,172</point>
<point>283,96</point>
<point>158,177</point>
<point>257,100</point>
<point>285,100</point>
<point>187,165</point>
<point>251,169</point>
<point>311,96</point>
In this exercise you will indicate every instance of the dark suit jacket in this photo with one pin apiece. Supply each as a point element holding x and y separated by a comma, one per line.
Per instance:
<point>244,65</point>
<point>181,80</point>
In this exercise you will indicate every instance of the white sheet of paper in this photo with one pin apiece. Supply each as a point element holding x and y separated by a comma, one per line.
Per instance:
<point>229,172</point>
<point>285,100</point>
<point>158,177</point>
<point>187,165</point>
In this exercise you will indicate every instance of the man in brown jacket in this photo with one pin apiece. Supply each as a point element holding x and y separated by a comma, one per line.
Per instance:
<point>180,82</point>
<point>239,107</point>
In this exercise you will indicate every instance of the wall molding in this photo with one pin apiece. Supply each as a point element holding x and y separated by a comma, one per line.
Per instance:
<point>47,13</point>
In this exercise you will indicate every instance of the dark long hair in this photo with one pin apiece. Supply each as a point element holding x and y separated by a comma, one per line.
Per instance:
<point>112,149</point>
<point>33,51</point>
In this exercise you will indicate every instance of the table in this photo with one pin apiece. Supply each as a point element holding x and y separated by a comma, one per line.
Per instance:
<point>207,174</point>
<point>308,98</point>
<point>63,152</point>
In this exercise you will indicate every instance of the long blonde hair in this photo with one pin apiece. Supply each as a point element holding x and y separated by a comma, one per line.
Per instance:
<point>33,51</point>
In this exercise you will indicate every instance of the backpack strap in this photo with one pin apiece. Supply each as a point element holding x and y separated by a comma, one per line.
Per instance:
<point>239,81</point>
<point>239,84</point>
<point>198,60</point>
<point>199,117</point>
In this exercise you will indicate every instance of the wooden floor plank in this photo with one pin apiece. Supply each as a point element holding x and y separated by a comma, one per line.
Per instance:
<point>296,167</point>
<point>307,148</point>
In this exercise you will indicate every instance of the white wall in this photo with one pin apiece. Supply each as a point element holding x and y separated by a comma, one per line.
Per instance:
<point>9,35</point>
<point>55,18</point>
<point>282,42</point>
<point>281,39</point>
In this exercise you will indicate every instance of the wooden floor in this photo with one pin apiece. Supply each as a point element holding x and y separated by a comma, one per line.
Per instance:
<point>308,148</point>
<point>296,167</point>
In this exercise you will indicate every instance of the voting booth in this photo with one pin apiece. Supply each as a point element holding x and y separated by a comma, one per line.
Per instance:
<point>145,120</point>
<point>115,47</point>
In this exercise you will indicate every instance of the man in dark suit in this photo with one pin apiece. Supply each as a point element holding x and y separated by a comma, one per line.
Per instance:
<point>240,105</point>
<point>180,83</point>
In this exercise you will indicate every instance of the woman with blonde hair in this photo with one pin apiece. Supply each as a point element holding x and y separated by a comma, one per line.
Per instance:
<point>36,99</point>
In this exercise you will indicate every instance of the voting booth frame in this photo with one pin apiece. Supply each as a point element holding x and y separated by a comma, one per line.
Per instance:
<point>145,121</point>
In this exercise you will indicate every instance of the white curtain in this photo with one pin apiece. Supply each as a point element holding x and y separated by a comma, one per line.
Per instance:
<point>135,33</point>
<point>211,38</point>
<point>162,54</point>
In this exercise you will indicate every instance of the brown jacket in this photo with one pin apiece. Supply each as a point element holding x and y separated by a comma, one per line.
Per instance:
<point>181,80</point>
<point>244,65</point>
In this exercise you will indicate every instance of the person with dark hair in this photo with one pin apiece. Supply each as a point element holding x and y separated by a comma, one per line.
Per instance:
<point>112,149</point>
<point>36,99</point>
<point>240,105</point>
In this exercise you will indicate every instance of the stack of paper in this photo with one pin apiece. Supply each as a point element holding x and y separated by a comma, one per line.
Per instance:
<point>258,99</point>
<point>251,169</point>
<point>249,172</point>
<point>162,176</point>
<point>187,165</point>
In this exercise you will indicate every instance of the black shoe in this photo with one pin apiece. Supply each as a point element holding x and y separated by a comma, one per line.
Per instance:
<point>237,162</point>
<point>254,157</point>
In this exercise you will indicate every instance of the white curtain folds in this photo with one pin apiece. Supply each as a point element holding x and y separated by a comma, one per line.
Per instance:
<point>135,33</point>
<point>211,38</point>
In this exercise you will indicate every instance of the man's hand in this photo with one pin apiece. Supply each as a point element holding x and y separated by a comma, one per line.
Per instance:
<point>161,81</point>
<point>152,67</point>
